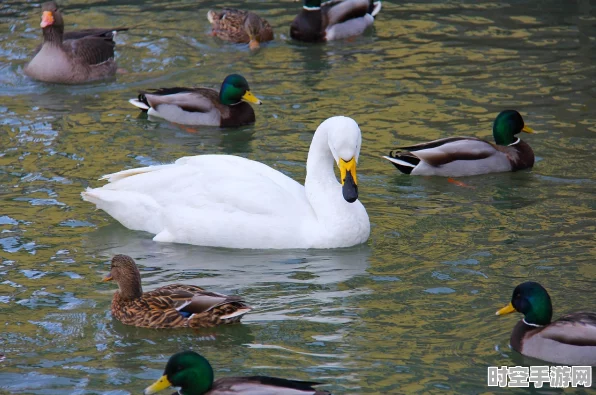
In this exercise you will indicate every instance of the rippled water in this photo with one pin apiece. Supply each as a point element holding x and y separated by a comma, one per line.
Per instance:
<point>412,311</point>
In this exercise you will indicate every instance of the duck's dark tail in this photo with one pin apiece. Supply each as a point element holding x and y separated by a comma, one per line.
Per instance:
<point>404,161</point>
<point>141,102</point>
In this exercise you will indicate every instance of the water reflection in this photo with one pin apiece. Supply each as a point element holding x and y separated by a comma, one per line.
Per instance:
<point>229,268</point>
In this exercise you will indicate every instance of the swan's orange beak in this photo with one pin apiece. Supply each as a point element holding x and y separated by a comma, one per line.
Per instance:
<point>47,19</point>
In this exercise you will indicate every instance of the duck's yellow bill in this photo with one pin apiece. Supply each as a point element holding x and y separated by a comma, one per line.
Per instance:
<point>349,166</point>
<point>159,385</point>
<point>107,278</point>
<point>528,129</point>
<point>47,19</point>
<point>506,310</point>
<point>249,97</point>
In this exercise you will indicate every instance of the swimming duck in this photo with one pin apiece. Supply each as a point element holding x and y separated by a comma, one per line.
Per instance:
<point>74,57</point>
<point>240,26</point>
<point>570,340</point>
<point>333,20</point>
<point>229,201</point>
<point>202,106</point>
<point>469,156</point>
<point>194,375</point>
<point>171,306</point>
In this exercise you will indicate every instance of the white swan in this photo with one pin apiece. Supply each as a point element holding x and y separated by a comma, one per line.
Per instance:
<point>229,201</point>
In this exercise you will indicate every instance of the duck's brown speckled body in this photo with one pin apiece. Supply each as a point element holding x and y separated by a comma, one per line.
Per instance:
<point>239,26</point>
<point>171,306</point>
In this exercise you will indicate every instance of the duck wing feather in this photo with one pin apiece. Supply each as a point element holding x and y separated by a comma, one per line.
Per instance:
<point>264,385</point>
<point>442,151</point>
<point>578,329</point>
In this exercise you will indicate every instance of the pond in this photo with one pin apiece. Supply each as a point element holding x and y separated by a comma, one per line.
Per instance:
<point>410,311</point>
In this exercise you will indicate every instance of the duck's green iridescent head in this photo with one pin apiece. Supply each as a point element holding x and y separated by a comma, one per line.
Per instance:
<point>235,89</point>
<point>532,300</point>
<point>187,370</point>
<point>507,124</point>
<point>312,4</point>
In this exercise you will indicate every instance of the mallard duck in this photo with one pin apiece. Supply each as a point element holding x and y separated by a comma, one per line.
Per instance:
<point>172,306</point>
<point>240,26</point>
<point>74,57</point>
<point>229,201</point>
<point>194,375</point>
<point>333,20</point>
<point>570,340</point>
<point>202,106</point>
<point>469,156</point>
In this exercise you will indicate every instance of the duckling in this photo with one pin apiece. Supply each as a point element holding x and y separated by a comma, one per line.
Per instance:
<point>570,340</point>
<point>469,156</point>
<point>171,306</point>
<point>202,106</point>
<point>73,57</point>
<point>333,20</point>
<point>194,375</point>
<point>240,26</point>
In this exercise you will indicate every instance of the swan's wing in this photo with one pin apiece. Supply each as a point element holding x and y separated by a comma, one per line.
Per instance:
<point>443,151</point>
<point>224,182</point>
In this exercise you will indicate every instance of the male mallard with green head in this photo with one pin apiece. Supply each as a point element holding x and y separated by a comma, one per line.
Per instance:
<point>194,375</point>
<point>333,20</point>
<point>239,26</point>
<point>171,306</point>
<point>570,340</point>
<point>469,156</point>
<point>202,106</point>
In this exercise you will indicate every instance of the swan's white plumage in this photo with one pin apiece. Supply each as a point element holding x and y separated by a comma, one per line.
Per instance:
<point>229,201</point>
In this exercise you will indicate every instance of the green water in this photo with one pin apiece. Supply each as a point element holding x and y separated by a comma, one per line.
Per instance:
<point>412,311</point>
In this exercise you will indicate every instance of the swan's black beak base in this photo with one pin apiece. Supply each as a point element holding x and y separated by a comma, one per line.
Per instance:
<point>350,189</point>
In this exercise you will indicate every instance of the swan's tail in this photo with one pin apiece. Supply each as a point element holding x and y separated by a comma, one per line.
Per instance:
<point>133,210</point>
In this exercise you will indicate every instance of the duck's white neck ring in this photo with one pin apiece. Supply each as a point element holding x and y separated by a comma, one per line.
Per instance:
<point>307,8</point>
<point>515,142</point>
<point>527,323</point>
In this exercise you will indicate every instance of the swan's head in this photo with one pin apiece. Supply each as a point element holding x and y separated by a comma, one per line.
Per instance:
<point>344,141</point>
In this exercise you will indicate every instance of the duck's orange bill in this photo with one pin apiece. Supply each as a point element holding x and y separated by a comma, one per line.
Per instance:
<point>506,310</point>
<point>107,278</point>
<point>47,19</point>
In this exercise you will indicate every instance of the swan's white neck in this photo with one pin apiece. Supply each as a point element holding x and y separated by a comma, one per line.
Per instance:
<point>320,162</point>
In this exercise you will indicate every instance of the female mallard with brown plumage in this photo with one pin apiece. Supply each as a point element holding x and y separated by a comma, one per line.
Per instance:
<point>570,340</point>
<point>469,156</point>
<point>73,57</point>
<point>202,106</point>
<point>333,20</point>
<point>172,306</point>
<point>194,375</point>
<point>240,26</point>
